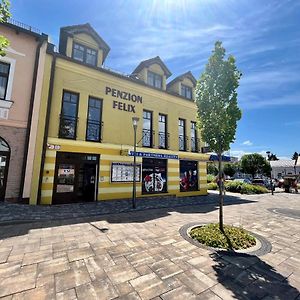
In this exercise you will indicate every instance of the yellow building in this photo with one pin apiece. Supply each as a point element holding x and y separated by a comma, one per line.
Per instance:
<point>84,148</point>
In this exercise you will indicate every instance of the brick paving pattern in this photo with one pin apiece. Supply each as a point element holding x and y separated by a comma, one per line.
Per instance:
<point>82,252</point>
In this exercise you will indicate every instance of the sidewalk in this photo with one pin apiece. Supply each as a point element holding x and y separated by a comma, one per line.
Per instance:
<point>141,254</point>
<point>11,213</point>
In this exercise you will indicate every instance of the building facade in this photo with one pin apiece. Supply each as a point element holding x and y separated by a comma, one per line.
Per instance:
<point>21,74</point>
<point>84,147</point>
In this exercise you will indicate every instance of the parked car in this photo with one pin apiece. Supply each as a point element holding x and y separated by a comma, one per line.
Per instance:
<point>263,182</point>
<point>243,180</point>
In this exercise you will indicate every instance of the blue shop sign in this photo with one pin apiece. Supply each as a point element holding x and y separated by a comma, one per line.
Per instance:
<point>214,157</point>
<point>153,155</point>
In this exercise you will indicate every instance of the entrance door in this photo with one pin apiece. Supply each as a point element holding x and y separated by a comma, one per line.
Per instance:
<point>75,178</point>
<point>4,163</point>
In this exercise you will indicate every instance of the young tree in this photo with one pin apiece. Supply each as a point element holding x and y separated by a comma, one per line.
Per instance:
<point>295,156</point>
<point>230,169</point>
<point>216,98</point>
<point>4,15</point>
<point>255,164</point>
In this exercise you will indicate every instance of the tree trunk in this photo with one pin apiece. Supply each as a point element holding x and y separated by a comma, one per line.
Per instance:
<point>221,200</point>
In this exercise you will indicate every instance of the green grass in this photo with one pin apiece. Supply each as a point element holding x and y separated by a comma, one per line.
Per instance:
<point>235,238</point>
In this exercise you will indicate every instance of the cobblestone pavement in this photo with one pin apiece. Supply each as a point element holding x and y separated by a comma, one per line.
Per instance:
<point>141,255</point>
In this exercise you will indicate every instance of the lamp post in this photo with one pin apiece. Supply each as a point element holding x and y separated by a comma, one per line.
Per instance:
<point>134,123</point>
<point>269,158</point>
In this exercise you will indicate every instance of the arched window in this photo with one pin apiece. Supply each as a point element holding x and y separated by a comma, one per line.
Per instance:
<point>4,163</point>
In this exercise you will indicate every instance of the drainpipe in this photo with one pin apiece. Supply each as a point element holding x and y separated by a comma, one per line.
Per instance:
<point>50,93</point>
<point>29,120</point>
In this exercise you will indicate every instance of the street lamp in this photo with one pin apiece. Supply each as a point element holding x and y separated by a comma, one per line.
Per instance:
<point>269,158</point>
<point>134,123</point>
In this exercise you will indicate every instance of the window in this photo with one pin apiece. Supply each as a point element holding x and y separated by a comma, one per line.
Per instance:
<point>93,130</point>
<point>162,134</point>
<point>147,128</point>
<point>181,136</point>
<point>186,91</point>
<point>4,72</point>
<point>68,117</point>
<point>188,176</point>
<point>194,140</point>
<point>154,80</point>
<point>84,54</point>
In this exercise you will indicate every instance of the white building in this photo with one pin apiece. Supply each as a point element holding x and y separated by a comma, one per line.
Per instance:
<point>282,167</point>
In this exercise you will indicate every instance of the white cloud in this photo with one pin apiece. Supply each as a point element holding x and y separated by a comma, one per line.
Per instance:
<point>247,143</point>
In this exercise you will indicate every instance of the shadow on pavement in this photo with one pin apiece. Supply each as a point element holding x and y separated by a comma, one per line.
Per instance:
<point>248,277</point>
<point>145,211</point>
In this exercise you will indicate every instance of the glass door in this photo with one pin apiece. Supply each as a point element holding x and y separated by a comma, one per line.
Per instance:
<point>4,163</point>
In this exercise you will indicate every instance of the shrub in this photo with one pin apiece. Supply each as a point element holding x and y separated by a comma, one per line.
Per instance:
<point>232,238</point>
<point>244,188</point>
<point>212,186</point>
<point>210,178</point>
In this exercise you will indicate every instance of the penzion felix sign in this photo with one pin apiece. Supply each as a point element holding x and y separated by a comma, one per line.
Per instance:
<point>124,96</point>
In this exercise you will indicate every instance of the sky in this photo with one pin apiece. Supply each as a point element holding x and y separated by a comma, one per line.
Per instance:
<point>263,36</point>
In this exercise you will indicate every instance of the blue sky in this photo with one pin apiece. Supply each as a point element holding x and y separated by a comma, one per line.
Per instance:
<point>264,37</point>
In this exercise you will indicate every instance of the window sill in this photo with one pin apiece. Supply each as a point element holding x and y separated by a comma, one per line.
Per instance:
<point>6,103</point>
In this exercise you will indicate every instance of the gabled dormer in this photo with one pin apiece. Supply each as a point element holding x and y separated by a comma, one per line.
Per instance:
<point>153,72</point>
<point>183,85</point>
<point>83,43</point>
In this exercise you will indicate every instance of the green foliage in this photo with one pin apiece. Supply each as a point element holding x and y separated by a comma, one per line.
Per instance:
<point>212,169</point>
<point>4,15</point>
<point>216,97</point>
<point>244,188</point>
<point>255,164</point>
<point>272,157</point>
<point>210,178</point>
<point>212,186</point>
<point>233,237</point>
<point>295,156</point>
<point>229,169</point>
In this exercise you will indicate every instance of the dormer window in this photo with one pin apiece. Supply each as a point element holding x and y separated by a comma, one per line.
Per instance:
<point>154,80</point>
<point>84,54</point>
<point>186,91</point>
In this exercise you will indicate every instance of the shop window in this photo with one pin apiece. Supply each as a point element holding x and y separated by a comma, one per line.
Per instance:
<point>154,79</point>
<point>162,134</point>
<point>186,91</point>
<point>93,128</point>
<point>188,176</point>
<point>194,140</point>
<point>68,117</point>
<point>154,175</point>
<point>4,73</point>
<point>84,54</point>
<point>181,135</point>
<point>147,129</point>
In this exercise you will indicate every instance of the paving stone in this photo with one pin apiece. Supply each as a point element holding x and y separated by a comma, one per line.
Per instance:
<point>124,288</point>
<point>67,295</point>
<point>9,269</point>
<point>53,266</point>
<point>165,268</point>
<point>196,280</point>
<point>18,283</point>
<point>121,273</point>
<point>4,256</point>
<point>37,293</point>
<point>36,257</point>
<point>181,293</point>
<point>131,296</point>
<point>72,278</point>
<point>102,290</point>
<point>149,286</point>
<point>77,254</point>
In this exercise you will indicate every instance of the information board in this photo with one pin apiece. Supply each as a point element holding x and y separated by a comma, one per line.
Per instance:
<point>123,172</point>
